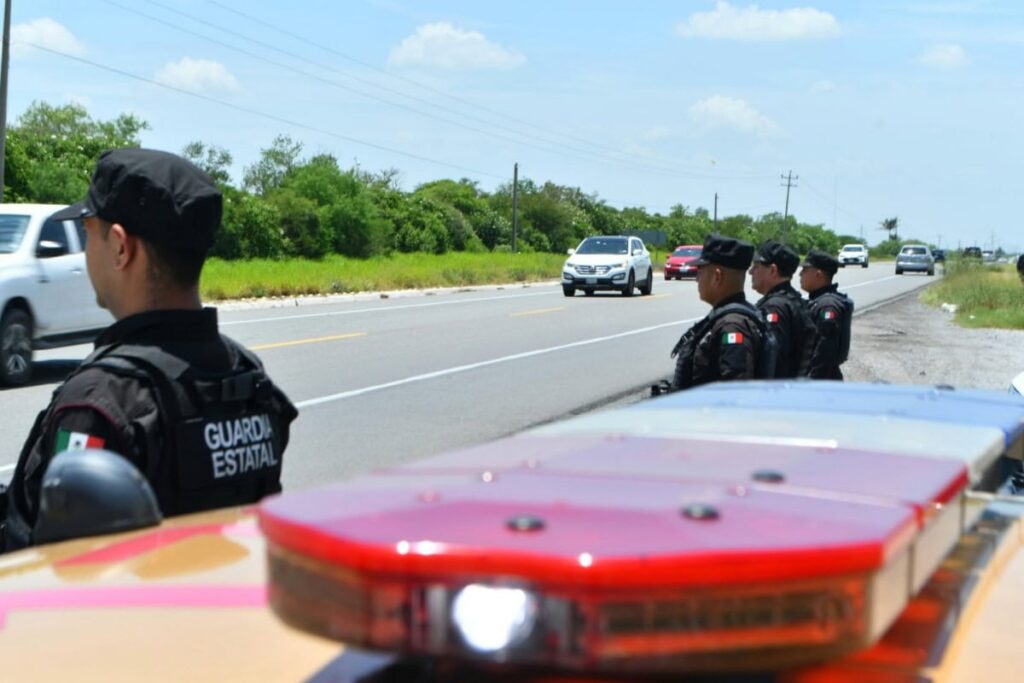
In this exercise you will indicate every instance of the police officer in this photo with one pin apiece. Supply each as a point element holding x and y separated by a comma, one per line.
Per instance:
<point>784,309</point>
<point>726,343</point>
<point>832,313</point>
<point>192,410</point>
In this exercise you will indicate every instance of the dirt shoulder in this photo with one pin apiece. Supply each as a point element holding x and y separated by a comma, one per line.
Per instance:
<point>908,342</point>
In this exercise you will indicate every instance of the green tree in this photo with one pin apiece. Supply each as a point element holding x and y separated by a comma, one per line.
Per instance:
<point>211,158</point>
<point>52,150</point>
<point>891,226</point>
<point>303,233</point>
<point>275,162</point>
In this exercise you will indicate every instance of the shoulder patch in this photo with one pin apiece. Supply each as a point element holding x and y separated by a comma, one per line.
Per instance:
<point>732,338</point>
<point>75,441</point>
<point>772,317</point>
<point>828,314</point>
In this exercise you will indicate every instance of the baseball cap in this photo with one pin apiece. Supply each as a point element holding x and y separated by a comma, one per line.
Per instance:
<point>784,258</point>
<point>155,195</point>
<point>726,251</point>
<point>821,260</point>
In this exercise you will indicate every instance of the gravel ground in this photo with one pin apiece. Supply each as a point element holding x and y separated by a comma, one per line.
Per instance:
<point>907,342</point>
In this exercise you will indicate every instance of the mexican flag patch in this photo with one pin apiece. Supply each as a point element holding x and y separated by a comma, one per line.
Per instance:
<point>773,317</point>
<point>732,338</point>
<point>828,315</point>
<point>76,441</point>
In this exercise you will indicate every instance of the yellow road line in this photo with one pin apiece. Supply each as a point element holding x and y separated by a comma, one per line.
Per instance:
<point>538,311</point>
<point>314,340</point>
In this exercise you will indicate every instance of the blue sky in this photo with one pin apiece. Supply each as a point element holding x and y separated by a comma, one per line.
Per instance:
<point>908,108</point>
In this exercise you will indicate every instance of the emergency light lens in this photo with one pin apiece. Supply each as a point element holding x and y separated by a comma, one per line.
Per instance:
<point>493,618</point>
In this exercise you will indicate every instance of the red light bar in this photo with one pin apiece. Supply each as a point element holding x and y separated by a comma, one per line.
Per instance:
<point>632,554</point>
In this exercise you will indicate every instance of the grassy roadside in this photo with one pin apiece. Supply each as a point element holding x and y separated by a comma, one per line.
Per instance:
<point>338,275</point>
<point>984,295</point>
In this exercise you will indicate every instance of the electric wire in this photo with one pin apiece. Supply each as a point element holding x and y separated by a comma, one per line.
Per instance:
<point>265,115</point>
<point>589,157</point>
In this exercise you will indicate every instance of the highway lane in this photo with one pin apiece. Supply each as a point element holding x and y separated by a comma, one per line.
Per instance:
<point>387,380</point>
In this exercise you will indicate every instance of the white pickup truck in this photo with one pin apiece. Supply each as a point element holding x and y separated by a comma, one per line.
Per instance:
<point>45,294</point>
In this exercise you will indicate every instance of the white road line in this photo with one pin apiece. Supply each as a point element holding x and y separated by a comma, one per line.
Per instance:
<point>482,364</point>
<point>385,309</point>
<point>869,282</point>
<point>4,468</point>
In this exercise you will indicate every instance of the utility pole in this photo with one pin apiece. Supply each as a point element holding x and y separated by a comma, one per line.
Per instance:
<point>835,205</point>
<point>515,204</point>
<point>716,212</point>
<point>940,241</point>
<point>789,178</point>
<point>5,58</point>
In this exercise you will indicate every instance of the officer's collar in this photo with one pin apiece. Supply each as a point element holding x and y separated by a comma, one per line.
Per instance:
<point>151,325</point>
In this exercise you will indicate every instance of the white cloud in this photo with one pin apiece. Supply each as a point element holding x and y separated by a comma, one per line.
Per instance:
<point>445,46</point>
<point>946,56</point>
<point>720,111</point>
<point>823,86</point>
<point>755,24</point>
<point>197,75</point>
<point>44,32</point>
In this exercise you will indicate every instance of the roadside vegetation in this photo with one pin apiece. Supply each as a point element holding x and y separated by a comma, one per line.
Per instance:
<point>291,205</point>
<point>985,295</point>
<point>336,274</point>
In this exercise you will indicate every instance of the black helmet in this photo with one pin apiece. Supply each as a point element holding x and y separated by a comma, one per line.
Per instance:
<point>92,492</point>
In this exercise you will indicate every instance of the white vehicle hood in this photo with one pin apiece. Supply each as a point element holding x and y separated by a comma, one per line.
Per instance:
<point>597,259</point>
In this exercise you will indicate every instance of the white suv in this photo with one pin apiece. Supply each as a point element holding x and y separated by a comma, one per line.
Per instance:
<point>618,262</point>
<point>45,294</point>
<point>853,254</point>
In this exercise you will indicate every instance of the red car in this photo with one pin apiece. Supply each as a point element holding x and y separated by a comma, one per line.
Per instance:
<point>680,262</point>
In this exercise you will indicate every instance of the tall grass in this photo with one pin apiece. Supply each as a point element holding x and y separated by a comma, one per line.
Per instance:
<point>985,295</point>
<point>337,274</point>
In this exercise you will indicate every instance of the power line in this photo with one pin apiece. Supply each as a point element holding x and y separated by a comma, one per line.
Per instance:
<point>356,91</point>
<point>265,115</point>
<point>830,202</point>
<point>305,41</point>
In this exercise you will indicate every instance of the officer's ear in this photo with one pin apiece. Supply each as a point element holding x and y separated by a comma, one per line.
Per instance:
<point>126,246</point>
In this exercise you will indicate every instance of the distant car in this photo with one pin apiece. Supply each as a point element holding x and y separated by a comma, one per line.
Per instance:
<point>680,263</point>
<point>988,256</point>
<point>971,252</point>
<point>916,258</point>
<point>853,255</point>
<point>618,262</point>
<point>45,292</point>
<point>939,255</point>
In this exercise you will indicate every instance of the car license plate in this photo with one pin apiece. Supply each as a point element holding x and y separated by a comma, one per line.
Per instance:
<point>591,280</point>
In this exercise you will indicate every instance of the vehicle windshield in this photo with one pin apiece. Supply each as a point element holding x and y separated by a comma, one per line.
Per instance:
<point>853,248</point>
<point>12,230</point>
<point>604,245</point>
<point>916,251</point>
<point>691,251</point>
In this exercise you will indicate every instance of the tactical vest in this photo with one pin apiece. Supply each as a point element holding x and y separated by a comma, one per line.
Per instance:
<point>767,356</point>
<point>845,303</point>
<point>222,432</point>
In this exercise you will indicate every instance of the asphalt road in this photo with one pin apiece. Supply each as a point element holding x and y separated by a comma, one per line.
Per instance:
<point>383,381</point>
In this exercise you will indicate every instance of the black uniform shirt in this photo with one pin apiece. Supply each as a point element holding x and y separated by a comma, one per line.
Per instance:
<point>786,314</point>
<point>729,349</point>
<point>96,408</point>
<point>827,314</point>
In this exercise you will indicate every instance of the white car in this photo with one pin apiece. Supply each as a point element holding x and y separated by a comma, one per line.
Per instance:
<point>46,297</point>
<point>854,255</point>
<point>617,262</point>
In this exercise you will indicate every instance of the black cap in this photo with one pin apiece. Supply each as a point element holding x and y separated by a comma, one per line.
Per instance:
<point>726,251</point>
<point>784,258</point>
<point>821,260</point>
<point>155,195</point>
